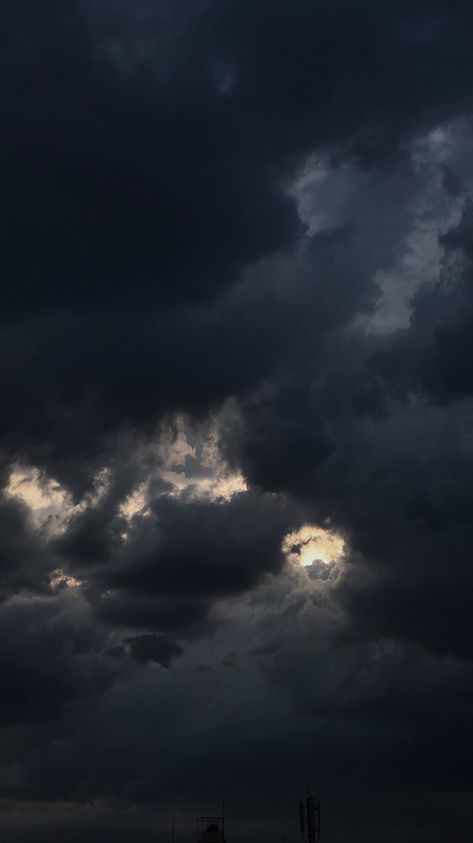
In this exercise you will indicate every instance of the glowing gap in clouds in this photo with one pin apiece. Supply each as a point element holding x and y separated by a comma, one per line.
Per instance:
<point>192,466</point>
<point>312,544</point>
<point>59,580</point>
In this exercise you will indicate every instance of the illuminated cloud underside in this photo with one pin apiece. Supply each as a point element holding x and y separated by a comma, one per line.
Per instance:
<point>183,470</point>
<point>50,505</point>
<point>189,471</point>
<point>59,580</point>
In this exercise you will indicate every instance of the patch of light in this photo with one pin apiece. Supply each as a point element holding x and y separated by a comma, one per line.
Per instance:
<point>174,447</point>
<point>100,488</point>
<point>215,488</point>
<point>34,490</point>
<point>190,467</point>
<point>199,471</point>
<point>312,544</point>
<point>135,504</point>
<point>59,580</point>
<point>51,506</point>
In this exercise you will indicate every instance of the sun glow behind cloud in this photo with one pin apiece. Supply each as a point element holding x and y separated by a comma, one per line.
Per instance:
<point>312,544</point>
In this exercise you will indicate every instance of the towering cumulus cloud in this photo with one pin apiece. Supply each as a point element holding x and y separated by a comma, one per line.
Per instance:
<point>236,427</point>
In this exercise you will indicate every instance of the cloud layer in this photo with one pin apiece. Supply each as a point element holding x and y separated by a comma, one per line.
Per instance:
<point>236,438</point>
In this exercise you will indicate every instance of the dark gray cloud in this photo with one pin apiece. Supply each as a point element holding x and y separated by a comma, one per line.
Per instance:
<point>133,179</point>
<point>22,559</point>
<point>50,656</point>
<point>236,243</point>
<point>205,548</point>
<point>154,648</point>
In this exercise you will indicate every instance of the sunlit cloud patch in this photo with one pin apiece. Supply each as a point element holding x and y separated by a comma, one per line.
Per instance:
<point>59,580</point>
<point>49,504</point>
<point>189,467</point>
<point>310,544</point>
<point>198,470</point>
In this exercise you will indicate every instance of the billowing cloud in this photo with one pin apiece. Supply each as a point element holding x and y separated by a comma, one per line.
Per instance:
<point>236,430</point>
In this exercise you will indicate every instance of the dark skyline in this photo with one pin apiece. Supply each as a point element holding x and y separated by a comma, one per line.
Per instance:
<point>236,427</point>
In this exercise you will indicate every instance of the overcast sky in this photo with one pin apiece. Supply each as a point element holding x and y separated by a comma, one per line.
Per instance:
<point>236,419</point>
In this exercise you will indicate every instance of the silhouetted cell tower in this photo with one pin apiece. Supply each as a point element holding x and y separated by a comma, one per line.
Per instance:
<point>309,818</point>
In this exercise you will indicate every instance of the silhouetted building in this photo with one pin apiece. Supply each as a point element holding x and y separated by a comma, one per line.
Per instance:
<point>210,830</point>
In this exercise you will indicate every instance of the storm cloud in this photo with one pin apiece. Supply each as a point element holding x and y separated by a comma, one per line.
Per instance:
<point>236,428</point>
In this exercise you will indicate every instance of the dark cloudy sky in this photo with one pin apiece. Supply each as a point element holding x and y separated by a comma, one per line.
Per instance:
<point>236,427</point>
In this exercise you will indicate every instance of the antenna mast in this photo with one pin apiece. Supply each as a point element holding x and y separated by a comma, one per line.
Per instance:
<point>309,818</point>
